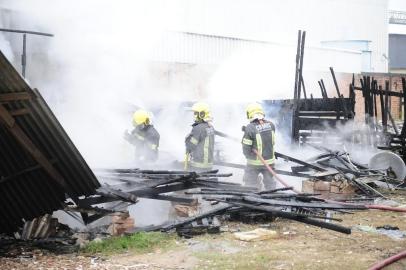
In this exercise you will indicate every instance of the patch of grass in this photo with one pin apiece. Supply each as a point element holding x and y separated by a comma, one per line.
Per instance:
<point>241,260</point>
<point>140,242</point>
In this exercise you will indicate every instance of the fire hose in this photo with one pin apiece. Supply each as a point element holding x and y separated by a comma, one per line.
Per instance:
<point>377,207</point>
<point>269,168</point>
<point>388,261</point>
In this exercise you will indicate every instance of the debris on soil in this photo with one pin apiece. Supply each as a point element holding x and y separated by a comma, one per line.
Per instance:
<point>395,234</point>
<point>255,235</point>
<point>120,223</point>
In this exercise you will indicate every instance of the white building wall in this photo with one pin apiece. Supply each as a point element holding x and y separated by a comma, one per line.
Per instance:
<point>191,48</point>
<point>279,20</point>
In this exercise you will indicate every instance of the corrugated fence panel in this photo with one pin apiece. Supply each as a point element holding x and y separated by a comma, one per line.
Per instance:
<point>28,188</point>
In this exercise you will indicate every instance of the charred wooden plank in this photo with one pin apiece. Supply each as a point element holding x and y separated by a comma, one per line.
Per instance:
<point>296,217</point>
<point>324,89</point>
<point>377,92</point>
<point>15,97</point>
<point>321,113</point>
<point>395,128</point>
<point>213,212</point>
<point>319,123</point>
<point>335,82</point>
<point>302,49</point>
<point>124,196</point>
<point>242,167</point>
<point>20,112</point>
<point>321,90</point>
<point>299,41</point>
<point>384,114</point>
<point>298,161</point>
<point>323,205</point>
<point>403,132</point>
<point>22,172</point>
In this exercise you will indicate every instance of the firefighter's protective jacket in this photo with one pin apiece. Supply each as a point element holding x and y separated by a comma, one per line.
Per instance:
<point>259,135</point>
<point>145,138</point>
<point>200,145</point>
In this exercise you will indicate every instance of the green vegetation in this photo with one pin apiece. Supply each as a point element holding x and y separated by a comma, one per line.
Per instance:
<point>240,260</point>
<point>139,242</point>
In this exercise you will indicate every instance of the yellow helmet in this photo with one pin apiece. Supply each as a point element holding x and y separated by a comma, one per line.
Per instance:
<point>141,117</point>
<point>254,109</point>
<point>201,111</point>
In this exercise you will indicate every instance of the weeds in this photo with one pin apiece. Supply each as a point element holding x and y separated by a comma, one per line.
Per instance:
<point>139,242</point>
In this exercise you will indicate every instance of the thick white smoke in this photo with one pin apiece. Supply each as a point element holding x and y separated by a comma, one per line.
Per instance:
<point>6,48</point>
<point>100,70</point>
<point>99,67</point>
<point>255,73</point>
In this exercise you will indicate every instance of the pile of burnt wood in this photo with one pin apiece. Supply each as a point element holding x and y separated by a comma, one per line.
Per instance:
<point>342,177</point>
<point>226,199</point>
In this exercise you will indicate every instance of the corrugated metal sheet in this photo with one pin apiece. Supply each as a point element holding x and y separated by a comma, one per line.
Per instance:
<point>39,164</point>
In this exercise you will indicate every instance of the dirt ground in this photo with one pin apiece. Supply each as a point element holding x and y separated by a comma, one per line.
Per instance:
<point>297,246</point>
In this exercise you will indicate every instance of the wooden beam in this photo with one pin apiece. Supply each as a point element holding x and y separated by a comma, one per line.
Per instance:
<point>15,96</point>
<point>308,123</point>
<point>22,172</point>
<point>13,176</point>
<point>321,113</point>
<point>299,41</point>
<point>298,161</point>
<point>377,92</point>
<point>9,122</point>
<point>20,112</point>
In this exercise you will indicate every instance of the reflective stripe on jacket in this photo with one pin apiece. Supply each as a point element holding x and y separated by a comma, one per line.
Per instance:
<point>259,135</point>
<point>200,144</point>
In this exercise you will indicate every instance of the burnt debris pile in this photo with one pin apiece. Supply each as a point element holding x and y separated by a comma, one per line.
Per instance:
<point>226,199</point>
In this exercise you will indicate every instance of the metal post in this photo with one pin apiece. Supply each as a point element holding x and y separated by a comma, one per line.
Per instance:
<point>24,55</point>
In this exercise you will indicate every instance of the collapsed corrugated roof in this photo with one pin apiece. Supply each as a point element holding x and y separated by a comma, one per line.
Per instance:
<point>39,164</point>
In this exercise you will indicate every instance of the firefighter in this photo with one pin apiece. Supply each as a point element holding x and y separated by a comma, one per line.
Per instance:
<point>259,134</point>
<point>144,137</point>
<point>200,141</point>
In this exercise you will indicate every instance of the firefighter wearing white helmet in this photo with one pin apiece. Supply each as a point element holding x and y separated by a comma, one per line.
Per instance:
<point>200,142</point>
<point>259,134</point>
<point>144,137</point>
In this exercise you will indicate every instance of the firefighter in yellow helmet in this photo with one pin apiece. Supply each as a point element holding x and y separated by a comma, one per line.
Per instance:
<point>144,137</point>
<point>259,134</point>
<point>200,142</point>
